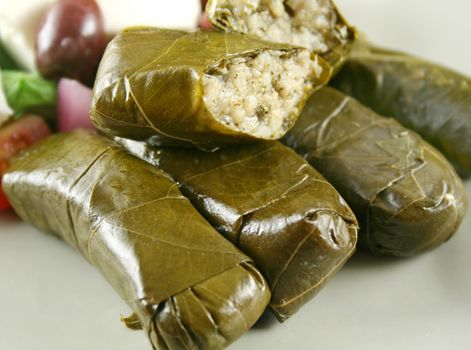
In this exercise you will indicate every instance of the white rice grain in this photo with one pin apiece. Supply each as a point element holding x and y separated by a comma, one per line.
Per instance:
<point>257,95</point>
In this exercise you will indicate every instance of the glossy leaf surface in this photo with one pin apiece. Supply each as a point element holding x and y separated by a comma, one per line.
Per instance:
<point>149,85</point>
<point>406,196</point>
<point>189,287</point>
<point>273,206</point>
<point>430,99</point>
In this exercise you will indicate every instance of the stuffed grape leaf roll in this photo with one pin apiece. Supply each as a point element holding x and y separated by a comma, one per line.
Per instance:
<point>314,24</point>
<point>432,100</point>
<point>406,196</point>
<point>187,285</point>
<point>202,88</point>
<point>273,206</point>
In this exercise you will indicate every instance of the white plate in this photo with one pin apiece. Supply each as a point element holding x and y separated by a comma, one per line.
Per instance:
<point>51,299</point>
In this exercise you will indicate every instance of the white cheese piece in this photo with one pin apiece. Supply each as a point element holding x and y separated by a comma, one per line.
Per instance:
<point>15,43</point>
<point>177,14</point>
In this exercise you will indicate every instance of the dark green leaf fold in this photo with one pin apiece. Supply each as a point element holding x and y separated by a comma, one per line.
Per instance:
<point>406,196</point>
<point>432,100</point>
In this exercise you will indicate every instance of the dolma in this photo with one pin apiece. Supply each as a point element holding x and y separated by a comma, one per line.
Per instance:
<point>406,196</point>
<point>273,206</point>
<point>188,287</point>
<point>432,100</point>
<point>202,88</point>
<point>314,24</point>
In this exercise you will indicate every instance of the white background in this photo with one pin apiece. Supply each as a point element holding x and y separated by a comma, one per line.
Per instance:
<point>50,299</point>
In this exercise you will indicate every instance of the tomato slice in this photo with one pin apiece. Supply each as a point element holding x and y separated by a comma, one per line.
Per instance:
<point>20,134</point>
<point>15,137</point>
<point>4,203</point>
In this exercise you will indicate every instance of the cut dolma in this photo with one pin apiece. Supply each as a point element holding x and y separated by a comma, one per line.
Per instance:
<point>188,286</point>
<point>273,206</point>
<point>406,196</point>
<point>202,88</point>
<point>314,24</point>
<point>431,100</point>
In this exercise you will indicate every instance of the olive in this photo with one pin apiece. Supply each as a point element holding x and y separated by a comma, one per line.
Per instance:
<point>71,40</point>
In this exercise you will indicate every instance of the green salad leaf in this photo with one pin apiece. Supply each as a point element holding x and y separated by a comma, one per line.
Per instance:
<point>28,92</point>
<point>16,46</point>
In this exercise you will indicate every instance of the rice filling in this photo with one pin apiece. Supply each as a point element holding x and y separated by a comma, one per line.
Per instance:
<point>312,24</point>
<point>259,94</point>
